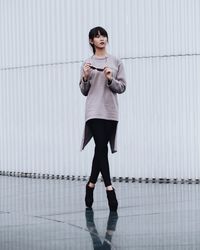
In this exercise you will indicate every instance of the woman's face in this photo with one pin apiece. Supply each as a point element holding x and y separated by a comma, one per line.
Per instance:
<point>100,41</point>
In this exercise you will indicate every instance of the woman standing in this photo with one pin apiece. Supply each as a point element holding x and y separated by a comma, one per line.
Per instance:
<point>102,78</point>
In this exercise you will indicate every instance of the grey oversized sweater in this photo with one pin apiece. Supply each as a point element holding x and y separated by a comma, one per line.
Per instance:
<point>101,99</point>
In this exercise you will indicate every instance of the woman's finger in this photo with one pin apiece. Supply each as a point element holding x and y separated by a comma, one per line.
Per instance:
<point>107,70</point>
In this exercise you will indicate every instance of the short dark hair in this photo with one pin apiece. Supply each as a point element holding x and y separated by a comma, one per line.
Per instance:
<point>95,32</point>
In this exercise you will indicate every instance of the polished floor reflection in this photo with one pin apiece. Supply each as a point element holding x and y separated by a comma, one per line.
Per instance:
<point>110,228</point>
<point>38,214</point>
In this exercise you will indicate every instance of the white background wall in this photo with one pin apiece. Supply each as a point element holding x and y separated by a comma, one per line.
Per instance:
<point>43,43</point>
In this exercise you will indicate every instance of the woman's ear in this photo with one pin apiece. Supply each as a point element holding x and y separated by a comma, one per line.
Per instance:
<point>90,41</point>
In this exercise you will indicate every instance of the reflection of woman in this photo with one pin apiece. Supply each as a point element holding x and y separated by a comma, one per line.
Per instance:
<point>102,78</point>
<point>111,227</point>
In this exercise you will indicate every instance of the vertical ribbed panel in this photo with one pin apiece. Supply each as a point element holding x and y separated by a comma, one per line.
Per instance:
<point>42,47</point>
<point>160,119</point>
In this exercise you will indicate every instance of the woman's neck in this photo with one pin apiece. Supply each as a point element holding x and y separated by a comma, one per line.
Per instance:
<point>100,53</point>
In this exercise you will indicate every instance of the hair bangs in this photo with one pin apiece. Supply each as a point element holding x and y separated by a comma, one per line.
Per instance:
<point>97,31</point>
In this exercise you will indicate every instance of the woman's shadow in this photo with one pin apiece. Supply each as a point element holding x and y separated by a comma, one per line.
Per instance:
<point>111,226</point>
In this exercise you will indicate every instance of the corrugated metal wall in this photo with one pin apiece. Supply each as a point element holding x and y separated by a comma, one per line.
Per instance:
<point>43,44</point>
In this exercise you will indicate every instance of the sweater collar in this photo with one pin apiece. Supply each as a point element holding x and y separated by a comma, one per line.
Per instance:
<point>100,58</point>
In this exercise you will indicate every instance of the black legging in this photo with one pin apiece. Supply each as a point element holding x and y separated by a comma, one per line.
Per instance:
<point>102,130</point>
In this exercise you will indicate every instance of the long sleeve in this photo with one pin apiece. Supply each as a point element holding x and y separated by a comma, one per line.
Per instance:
<point>118,84</point>
<point>84,86</point>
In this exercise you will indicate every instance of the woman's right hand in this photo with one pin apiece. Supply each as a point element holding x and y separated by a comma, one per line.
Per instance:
<point>86,70</point>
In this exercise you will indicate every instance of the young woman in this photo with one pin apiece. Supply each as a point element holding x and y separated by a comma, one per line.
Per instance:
<point>102,78</point>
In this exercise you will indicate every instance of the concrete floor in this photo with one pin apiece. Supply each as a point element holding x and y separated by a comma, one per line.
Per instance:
<point>39,214</point>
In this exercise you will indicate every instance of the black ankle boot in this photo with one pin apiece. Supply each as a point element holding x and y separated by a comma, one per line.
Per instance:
<point>89,195</point>
<point>112,200</point>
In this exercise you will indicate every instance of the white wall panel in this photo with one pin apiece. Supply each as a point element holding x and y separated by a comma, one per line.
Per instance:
<point>42,47</point>
<point>160,119</point>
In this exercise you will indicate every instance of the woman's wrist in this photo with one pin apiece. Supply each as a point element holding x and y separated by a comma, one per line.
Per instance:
<point>109,81</point>
<point>84,79</point>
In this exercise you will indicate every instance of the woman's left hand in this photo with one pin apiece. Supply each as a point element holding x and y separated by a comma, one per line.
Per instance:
<point>108,73</point>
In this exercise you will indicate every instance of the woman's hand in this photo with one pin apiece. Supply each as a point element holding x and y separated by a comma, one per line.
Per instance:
<point>108,73</point>
<point>86,70</point>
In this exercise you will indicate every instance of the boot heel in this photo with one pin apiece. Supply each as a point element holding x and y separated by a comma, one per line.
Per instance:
<point>112,200</point>
<point>89,196</point>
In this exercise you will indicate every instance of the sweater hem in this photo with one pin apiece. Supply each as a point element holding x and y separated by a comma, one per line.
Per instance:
<point>101,117</point>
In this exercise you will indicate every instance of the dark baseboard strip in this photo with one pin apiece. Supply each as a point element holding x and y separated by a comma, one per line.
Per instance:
<point>114,179</point>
